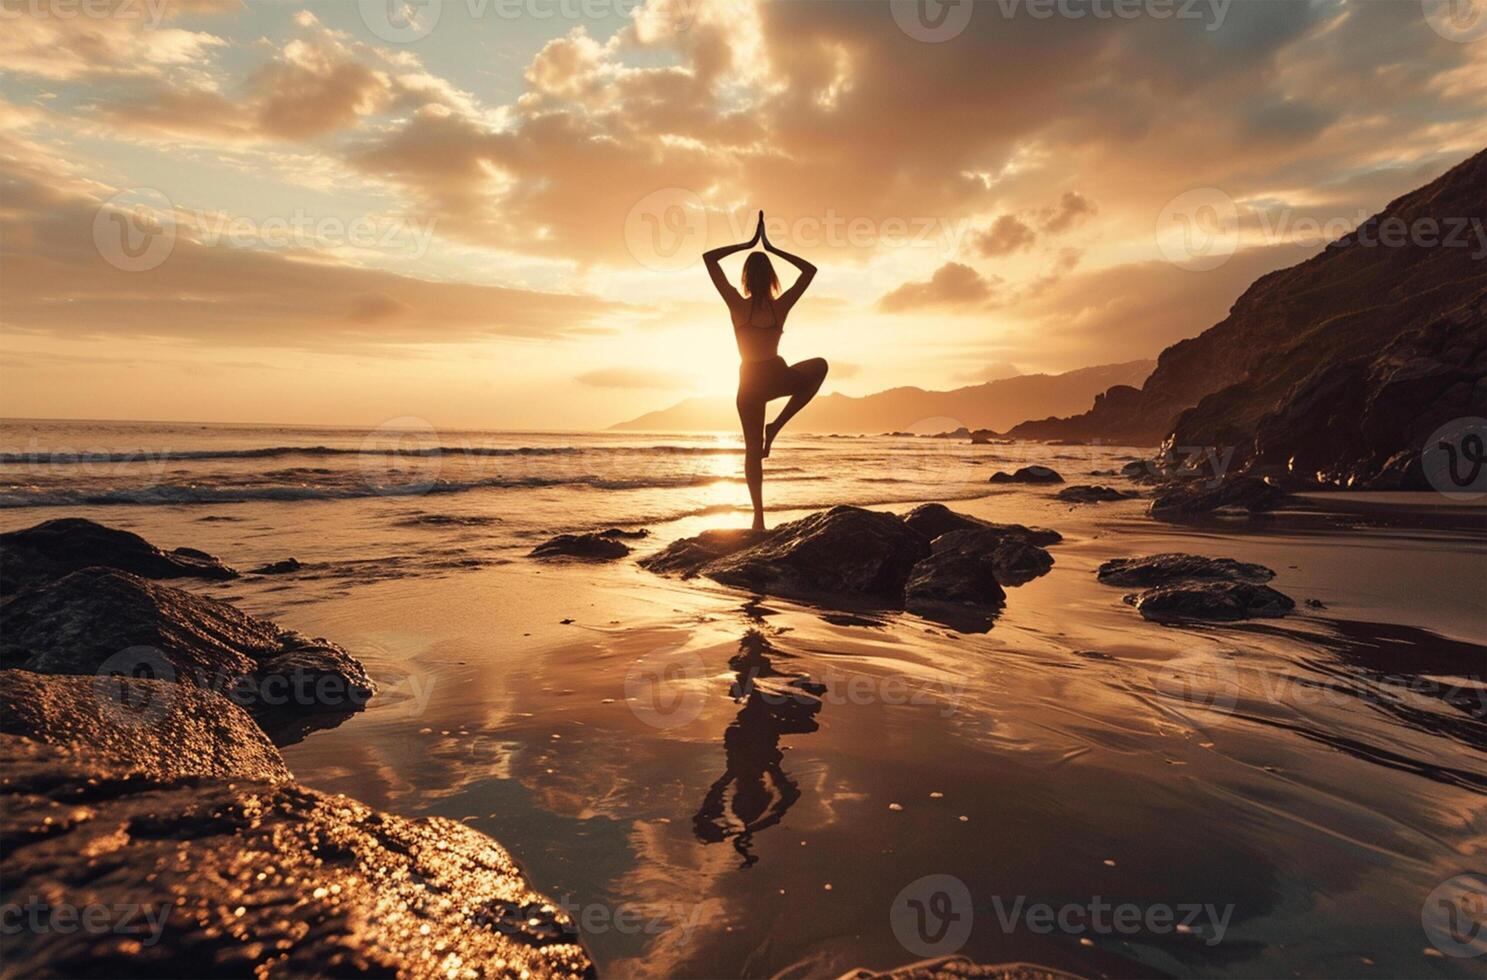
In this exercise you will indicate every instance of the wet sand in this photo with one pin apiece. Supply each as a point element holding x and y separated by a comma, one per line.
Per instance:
<point>1319,774</point>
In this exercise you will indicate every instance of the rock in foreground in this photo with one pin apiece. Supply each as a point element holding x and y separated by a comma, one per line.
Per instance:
<point>1214,601</point>
<point>687,557</point>
<point>1027,474</point>
<point>250,878</point>
<point>156,727</point>
<point>50,550</point>
<point>99,621</point>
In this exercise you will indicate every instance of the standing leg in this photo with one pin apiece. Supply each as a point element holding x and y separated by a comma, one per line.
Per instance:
<point>810,375</point>
<point>751,416</point>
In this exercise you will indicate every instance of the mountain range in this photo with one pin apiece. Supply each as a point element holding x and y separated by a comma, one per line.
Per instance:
<point>992,405</point>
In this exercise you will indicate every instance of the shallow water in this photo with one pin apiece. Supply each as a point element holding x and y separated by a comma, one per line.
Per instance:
<point>1292,790</point>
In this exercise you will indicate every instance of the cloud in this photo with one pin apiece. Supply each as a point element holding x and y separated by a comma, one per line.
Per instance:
<point>1072,210</point>
<point>634,378</point>
<point>953,285</point>
<point>59,282</point>
<point>1006,235</point>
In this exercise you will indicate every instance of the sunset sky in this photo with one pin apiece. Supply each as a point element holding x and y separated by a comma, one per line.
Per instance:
<point>488,213</point>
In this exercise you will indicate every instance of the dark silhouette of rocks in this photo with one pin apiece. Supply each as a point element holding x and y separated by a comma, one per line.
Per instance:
<point>243,877</point>
<point>278,567</point>
<point>1171,567</point>
<point>1180,586</point>
<point>933,520</point>
<point>1335,370</point>
<point>98,620</point>
<point>1027,474</point>
<point>50,550</point>
<point>1194,497</point>
<point>585,547</point>
<point>931,556</point>
<point>844,551</point>
<point>158,728</point>
<point>1214,601</point>
<point>1085,493</point>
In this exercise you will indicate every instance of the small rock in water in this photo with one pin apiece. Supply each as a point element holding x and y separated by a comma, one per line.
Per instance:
<point>278,567</point>
<point>584,547</point>
<point>1027,474</point>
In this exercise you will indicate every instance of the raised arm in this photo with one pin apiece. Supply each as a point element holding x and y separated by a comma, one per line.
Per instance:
<point>807,272</point>
<point>717,255</point>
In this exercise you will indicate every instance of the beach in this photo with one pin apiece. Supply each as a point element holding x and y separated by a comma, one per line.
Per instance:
<point>1293,789</point>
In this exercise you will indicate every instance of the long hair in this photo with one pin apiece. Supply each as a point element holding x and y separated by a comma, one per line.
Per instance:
<point>759,281</point>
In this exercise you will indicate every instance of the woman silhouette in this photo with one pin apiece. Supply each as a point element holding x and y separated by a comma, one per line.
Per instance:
<point>758,321</point>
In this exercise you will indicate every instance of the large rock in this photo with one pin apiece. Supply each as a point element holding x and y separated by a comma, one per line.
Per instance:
<point>1027,474</point>
<point>955,576</point>
<point>1193,498</point>
<point>208,877</point>
<point>100,621</point>
<point>1014,558</point>
<point>1164,569</point>
<point>51,550</point>
<point>156,727</point>
<point>844,552</point>
<point>933,520</point>
<point>1214,601</point>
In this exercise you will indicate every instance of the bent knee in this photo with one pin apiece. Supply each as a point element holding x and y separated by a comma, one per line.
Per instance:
<point>818,367</point>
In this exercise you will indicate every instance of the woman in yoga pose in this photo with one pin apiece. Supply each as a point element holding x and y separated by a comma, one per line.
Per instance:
<point>758,321</point>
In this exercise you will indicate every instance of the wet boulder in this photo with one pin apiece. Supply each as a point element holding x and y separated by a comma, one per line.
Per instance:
<point>1165,569</point>
<point>953,576</point>
<point>1091,494</point>
<point>1211,601</point>
<point>214,877</point>
<point>1193,498</point>
<point>156,727</point>
<point>101,621</point>
<point>842,552</point>
<point>933,520</point>
<point>55,548</point>
<point>1027,474</point>
<point>687,557</point>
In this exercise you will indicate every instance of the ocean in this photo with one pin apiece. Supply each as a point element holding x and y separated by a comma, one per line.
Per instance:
<point>1295,792</point>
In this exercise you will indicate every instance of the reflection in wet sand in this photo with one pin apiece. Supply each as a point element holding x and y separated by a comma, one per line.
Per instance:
<point>755,792</point>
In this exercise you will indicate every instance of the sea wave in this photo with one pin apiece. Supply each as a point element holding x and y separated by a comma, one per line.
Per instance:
<point>274,452</point>
<point>18,497</point>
